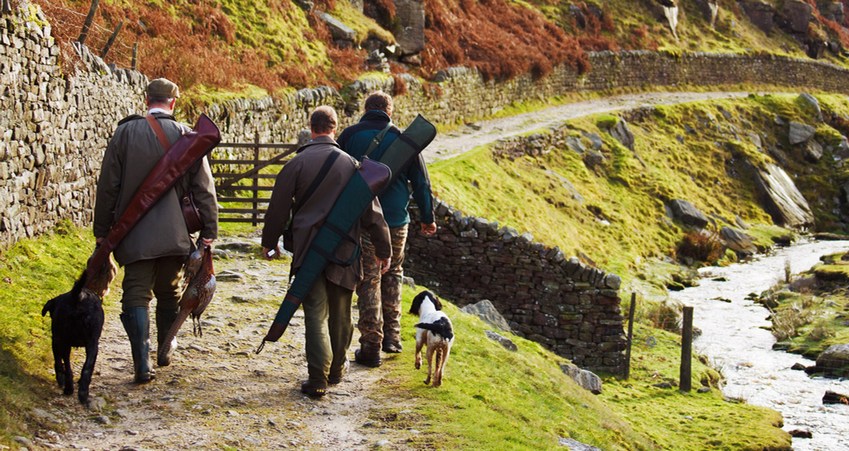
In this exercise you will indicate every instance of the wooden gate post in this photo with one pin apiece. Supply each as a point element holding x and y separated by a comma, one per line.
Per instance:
<point>686,375</point>
<point>255,183</point>
<point>630,335</point>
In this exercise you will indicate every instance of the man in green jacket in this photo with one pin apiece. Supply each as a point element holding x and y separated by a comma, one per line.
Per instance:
<point>379,294</point>
<point>305,195</point>
<point>154,251</point>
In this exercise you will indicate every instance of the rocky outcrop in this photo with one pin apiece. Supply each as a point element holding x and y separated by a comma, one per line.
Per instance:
<point>623,134</point>
<point>738,241</point>
<point>782,199</point>
<point>761,13</point>
<point>687,213</point>
<point>410,25</point>
<point>795,16</point>
<point>798,133</point>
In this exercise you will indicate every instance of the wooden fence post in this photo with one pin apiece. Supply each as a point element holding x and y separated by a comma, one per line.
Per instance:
<point>111,40</point>
<point>686,375</point>
<point>255,184</point>
<point>630,335</point>
<point>134,63</point>
<point>88,19</point>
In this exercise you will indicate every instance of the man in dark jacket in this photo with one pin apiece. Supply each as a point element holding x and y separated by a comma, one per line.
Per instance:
<point>379,295</point>
<point>154,251</point>
<point>327,308</point>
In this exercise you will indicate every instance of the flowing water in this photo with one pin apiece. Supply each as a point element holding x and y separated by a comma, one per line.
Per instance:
<point>735,341</point>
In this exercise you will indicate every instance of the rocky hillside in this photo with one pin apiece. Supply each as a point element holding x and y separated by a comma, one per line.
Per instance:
<point>242,45</point>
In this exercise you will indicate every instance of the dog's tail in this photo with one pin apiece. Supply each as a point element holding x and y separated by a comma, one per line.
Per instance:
<point>48,307</point>
<point>78,286</point>
<point>441,327</point>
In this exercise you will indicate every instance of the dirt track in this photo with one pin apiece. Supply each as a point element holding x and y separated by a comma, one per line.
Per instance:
<point>218,393</point>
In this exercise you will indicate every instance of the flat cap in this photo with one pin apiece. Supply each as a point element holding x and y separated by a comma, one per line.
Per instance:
<point>163,88</point>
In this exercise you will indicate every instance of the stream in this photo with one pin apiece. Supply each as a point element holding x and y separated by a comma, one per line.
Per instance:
<point>734,339</point>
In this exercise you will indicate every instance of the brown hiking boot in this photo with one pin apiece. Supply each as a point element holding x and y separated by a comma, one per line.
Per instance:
<point>369,357</point>
<point>393,347</point>
<point>314,389</point>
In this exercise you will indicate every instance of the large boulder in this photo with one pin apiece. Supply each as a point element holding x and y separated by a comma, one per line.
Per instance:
<point>761,13</point>
<point>831,10</point>
<point>834,361</point>
<point>738,241</point>
<point>409,26</point>
<point>623,134</point>
<point>687,213</point>
<point>487,312</point>
<point>782,199</point>
<point>586,379</point>
<point>798,133</point>
<point>796,15</point>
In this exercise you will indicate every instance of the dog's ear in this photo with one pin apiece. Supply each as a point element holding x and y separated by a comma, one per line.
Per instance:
<point>417,303</point>
<point>436,302</point>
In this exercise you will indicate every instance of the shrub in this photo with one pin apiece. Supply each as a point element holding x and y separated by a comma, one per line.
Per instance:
<point>665,315</point>
<point>700,246</point>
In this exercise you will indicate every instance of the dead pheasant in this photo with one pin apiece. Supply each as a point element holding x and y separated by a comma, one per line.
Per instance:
<point>200,277</point>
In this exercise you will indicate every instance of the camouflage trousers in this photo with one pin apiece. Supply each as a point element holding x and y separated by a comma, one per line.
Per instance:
<point>379,297</point>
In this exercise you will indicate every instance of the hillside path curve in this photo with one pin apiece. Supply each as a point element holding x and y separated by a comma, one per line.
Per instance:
<point>466,138</point>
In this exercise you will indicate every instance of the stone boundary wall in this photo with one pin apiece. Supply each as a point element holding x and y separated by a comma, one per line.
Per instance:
<point>571,308</point>
<point>54,127</point>
<point>459,95</point>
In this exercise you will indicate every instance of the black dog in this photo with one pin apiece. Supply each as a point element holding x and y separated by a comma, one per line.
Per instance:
<point>77,321</point>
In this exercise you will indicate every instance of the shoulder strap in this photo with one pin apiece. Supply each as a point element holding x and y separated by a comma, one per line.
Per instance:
<point>325,168</point>
<point>377,139</point>
<point>157,130</point>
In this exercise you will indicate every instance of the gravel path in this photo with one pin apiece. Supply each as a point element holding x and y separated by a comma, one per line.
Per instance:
<point>477,134</point>
<point>218,393</point>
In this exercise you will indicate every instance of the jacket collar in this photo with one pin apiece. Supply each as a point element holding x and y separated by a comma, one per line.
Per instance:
<point>375,115</point>
<point>324,139</point>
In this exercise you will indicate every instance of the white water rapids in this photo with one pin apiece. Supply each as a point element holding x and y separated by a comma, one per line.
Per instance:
<point>734,340</point>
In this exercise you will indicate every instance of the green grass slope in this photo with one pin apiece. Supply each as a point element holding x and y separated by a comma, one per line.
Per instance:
<point>614,213</point>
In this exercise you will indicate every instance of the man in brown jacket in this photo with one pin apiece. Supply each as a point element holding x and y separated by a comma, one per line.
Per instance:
<point>154,251</point>
<point>327,308</point>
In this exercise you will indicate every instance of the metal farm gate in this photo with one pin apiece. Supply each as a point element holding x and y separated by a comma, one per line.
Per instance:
<point>244,176</point>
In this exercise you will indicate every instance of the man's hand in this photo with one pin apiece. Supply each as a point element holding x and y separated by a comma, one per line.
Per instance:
<point>270,254</point>
<point>429,229</point>
<point>207,242</point>
<point>383,264</point>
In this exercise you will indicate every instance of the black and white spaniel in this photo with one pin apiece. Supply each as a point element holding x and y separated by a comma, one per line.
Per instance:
<point>435,331</point>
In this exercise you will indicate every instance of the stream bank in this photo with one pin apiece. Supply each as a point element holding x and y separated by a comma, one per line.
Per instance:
<point>735,337</point>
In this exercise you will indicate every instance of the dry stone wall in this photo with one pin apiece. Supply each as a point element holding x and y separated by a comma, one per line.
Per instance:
<point>571,308</point>
<point>54,127</point>
<point>458,95</point>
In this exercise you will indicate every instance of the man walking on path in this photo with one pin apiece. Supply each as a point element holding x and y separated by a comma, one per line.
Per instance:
<point>305,192</point>
<point>379,295</point>
<point>154,251</point>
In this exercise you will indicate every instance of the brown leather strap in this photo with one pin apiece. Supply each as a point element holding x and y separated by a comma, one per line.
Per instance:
<point>157,129</point>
